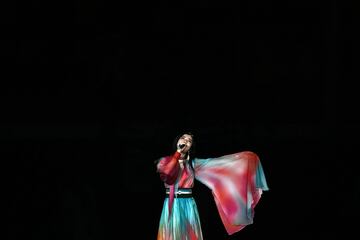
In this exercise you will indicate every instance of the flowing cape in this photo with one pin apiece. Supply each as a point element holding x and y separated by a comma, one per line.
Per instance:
<point>236,181</point>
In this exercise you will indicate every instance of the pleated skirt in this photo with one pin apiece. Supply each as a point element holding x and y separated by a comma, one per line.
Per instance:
<point>183,223</point>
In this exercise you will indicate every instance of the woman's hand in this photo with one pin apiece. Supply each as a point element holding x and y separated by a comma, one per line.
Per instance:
<point>182,148</point>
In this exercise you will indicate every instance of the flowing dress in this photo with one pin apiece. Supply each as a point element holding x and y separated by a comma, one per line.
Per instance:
<point>236,181</point>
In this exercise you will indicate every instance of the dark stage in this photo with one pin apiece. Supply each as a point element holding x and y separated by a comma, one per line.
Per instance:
<point>94,92</point>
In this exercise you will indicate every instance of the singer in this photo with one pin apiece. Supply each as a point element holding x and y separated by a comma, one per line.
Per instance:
<point>236,180</point>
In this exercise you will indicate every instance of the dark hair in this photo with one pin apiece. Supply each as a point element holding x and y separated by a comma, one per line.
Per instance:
<point>191,152</point>
<point>174,147</point>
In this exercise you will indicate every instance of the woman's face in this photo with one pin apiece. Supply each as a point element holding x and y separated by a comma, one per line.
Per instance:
<point>187,140</point>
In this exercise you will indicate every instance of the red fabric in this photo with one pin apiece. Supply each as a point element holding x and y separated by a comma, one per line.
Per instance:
<point>169,170</point>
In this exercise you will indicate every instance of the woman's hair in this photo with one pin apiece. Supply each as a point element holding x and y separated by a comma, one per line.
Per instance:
<point>191,152</point>
<point>192,149</point>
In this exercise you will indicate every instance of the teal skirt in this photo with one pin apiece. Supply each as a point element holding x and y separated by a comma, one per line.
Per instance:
<point>183,223</point>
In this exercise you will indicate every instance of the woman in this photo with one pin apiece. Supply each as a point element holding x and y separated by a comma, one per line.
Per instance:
<point>236,181</point>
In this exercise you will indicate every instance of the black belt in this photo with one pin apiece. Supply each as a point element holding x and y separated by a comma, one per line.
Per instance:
<point>180,193</point>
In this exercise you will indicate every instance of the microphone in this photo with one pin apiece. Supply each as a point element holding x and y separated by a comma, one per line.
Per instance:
<point>181,145</point>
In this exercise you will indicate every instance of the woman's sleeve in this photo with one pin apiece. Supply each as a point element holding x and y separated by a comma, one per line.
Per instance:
<point>168,168</point>
<point>237,181</point>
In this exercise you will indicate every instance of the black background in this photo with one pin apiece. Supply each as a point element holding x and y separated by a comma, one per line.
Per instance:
<point>95,91</point>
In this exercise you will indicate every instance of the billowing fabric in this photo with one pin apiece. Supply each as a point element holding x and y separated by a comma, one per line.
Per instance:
<point>236,181</point>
